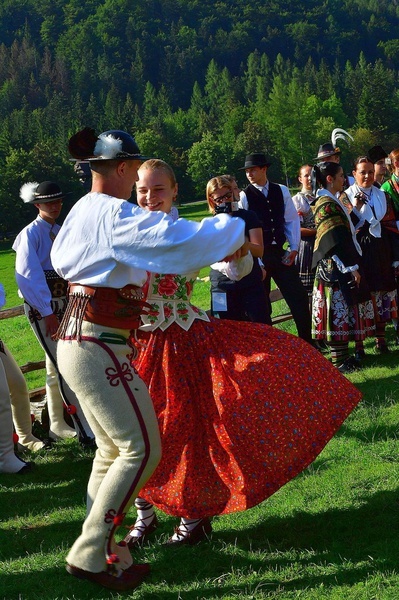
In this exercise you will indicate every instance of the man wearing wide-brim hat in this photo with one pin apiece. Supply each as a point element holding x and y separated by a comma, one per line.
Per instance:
<point>280,224</point>
<point>44,294</point>
<point>104,249</point>
<point>328,153</point>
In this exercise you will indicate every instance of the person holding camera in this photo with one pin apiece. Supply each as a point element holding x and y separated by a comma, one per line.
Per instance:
<point>369,204</point>
<point>342,309</point>
<point>242,299</point>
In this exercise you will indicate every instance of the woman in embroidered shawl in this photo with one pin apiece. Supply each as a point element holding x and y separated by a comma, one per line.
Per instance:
<point>242,407</point>
<point>341,306</point>
<point>369,205</point>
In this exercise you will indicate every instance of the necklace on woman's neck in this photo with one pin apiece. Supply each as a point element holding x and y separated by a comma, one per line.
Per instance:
<point>368,192</point>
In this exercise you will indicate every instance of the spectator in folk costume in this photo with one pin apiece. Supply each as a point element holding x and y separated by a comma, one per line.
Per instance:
<point>44,294</point>
<point>241,298</point>
<point>330,152</point>
<point>391,188</point>
<point>378,156</point>
<point>14,408</point>
<point>342,309</point>
<point>219,387</point>
<point>303,202</point>
<point>272,203</point>
<point>104,250</point>
<point>368,207</point>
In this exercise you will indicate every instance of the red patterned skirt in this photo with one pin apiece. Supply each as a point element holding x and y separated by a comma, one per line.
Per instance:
<point>242,409</point>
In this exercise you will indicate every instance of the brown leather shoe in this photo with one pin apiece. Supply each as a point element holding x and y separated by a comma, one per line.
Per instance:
<point>26,468</point>
<point>145,530</point>
<point>127,580</point>
<point>199,533</point>
<point>143,569</point>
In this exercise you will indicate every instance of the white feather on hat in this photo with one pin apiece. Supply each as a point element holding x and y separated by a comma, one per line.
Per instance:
<point>107,147</point>
<point>27,191</point>
<point>340,134</point>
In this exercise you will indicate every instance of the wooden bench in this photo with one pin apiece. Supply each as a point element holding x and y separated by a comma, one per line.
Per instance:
<point>274,296</point>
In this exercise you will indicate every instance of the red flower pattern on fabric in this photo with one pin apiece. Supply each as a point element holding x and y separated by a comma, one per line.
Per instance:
<point>167,286</point>
<point>223,387</point>
<point>118,519</point>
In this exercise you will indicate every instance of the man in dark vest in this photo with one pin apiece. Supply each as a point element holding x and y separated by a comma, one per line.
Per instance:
<point>280,223</point>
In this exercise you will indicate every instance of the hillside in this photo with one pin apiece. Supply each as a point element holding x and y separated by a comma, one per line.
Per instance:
<point>199,83</point>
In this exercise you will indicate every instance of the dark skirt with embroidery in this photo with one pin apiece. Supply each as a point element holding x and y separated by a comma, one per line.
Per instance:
<point>377,261</point>
<point>242,409</point>
<point>334,320</point>
<point>305,256</point>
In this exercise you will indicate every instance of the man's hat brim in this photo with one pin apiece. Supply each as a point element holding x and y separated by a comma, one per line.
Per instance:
<point>249,166</point>
<point>322,155</point>
<point>121,157</point>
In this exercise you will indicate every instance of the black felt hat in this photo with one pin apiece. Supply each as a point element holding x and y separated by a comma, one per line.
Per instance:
<point>113,144</point>
<point>258,159</point>
<point>40,193</point>
<point>376,153</point>
<point>327,150</point>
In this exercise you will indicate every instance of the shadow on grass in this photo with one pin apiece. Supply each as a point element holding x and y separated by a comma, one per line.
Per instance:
<point>356,543</point>
<point>350,545</point>
<point>57,476</point>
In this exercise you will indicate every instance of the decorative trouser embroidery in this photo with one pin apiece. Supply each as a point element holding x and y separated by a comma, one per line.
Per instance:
<point>50,348</point>
<point>120,412</point>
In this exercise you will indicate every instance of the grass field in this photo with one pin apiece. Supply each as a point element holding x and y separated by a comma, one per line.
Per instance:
<point>331,533</point>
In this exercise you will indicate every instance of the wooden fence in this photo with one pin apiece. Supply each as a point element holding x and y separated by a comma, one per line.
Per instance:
<point>37,394</point>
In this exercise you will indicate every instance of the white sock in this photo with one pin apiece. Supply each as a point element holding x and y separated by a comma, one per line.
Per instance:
<point>185,526</point>
<point>145,516</point>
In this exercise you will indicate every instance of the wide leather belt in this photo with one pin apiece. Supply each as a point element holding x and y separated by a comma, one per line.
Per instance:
<point>110,307</point>
<point>120,308</point>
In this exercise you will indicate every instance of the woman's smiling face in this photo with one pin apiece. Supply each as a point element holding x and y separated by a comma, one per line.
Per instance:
<point>155,190</point>
<point>364,174</point>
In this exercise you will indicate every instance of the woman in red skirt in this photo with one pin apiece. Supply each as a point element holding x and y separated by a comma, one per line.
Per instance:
<point>242,407</point>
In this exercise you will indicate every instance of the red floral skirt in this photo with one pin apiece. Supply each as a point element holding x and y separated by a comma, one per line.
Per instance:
<point>242,409</point>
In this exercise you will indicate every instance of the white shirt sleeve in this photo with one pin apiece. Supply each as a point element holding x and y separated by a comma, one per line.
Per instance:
<point>243,201</point>
<point>29,274</point>
<point>108,242</point>
<point>292,225</point>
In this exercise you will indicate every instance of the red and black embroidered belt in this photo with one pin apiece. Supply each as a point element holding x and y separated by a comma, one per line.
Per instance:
<point>117,308</point>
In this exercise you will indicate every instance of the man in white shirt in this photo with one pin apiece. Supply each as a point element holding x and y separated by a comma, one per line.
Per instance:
<point>44,294</point>
<point>104,249</point>
<point>280,223</point>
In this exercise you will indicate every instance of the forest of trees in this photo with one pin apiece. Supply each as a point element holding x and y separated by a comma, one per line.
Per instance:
<point>198,83</point>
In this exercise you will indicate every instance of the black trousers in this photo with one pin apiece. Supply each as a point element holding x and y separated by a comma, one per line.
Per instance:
<point>294,293</point>
<point>246,304</point>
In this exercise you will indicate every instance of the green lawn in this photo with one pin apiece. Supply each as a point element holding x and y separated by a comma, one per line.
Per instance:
<point>331,533</point>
